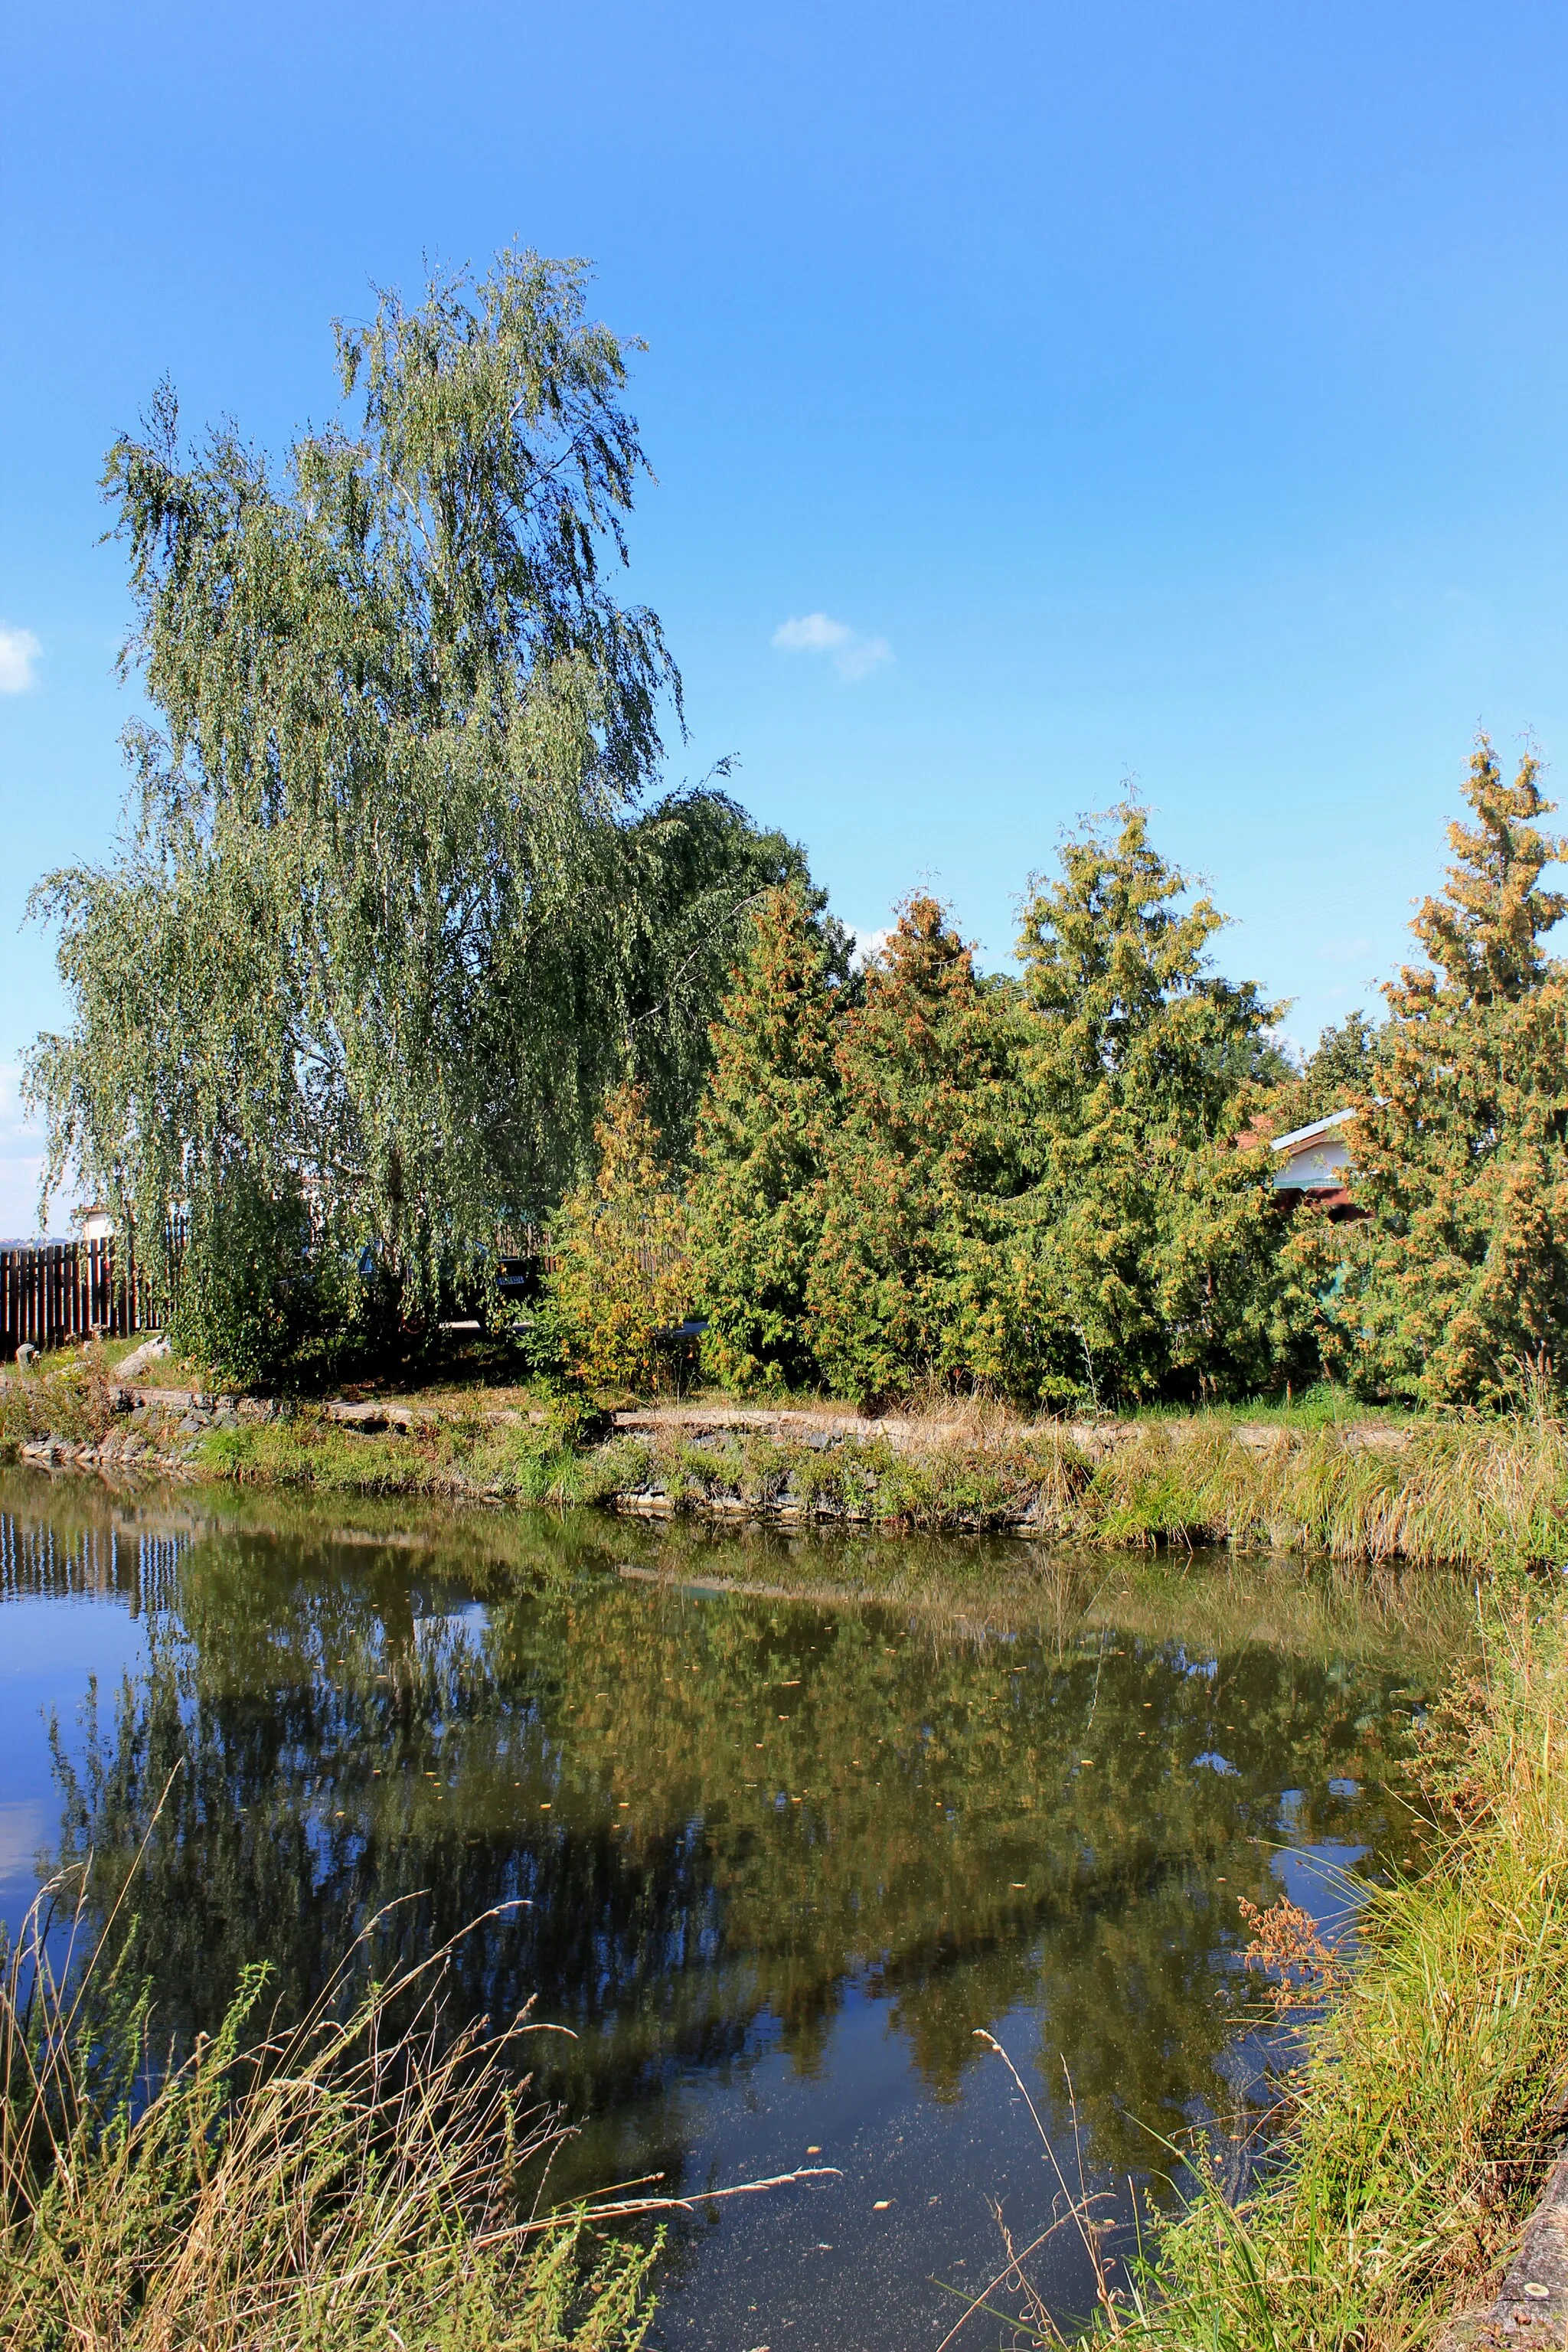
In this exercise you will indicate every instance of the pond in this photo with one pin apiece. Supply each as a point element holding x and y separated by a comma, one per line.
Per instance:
<point>788,1821</point>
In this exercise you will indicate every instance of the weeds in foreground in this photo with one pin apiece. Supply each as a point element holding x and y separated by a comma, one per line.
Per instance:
<point>367,2177</point>
<point>70,1396</point>
<point>1434,2089</point>
<point>360,2179</point>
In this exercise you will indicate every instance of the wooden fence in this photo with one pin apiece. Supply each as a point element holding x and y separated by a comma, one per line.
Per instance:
<point>52,1292</point>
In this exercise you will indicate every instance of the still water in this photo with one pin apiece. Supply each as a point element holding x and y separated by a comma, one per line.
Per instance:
<point>789,1820</point>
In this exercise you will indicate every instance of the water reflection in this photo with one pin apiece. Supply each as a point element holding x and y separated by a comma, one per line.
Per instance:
<point>778,1852</point>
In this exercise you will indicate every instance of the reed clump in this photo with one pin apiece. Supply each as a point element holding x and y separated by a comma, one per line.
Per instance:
<point>1465,1493</point>
<point>361,2179</point>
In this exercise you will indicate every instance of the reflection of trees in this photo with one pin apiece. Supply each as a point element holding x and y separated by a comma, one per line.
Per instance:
<point>613,1755</point>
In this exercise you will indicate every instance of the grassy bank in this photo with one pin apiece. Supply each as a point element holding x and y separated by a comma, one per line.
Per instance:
<point>1432,2096</point>
<point>361,2180</point>
<point>1472,1492</point>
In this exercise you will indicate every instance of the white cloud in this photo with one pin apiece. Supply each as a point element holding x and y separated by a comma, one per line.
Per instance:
<point>854,653</point>
<point>19,649</point>
<point>865,947</point>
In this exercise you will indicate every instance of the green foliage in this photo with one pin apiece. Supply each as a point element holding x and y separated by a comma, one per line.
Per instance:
<point>387,921</point>
<point>1145,1245</point>
<point>623,1274</point>
<point>903,1282</point>
<point>242,1303</point>
<point>759,1188</point>
<point>1339,1070</point>
<point>1030,1191</point>
<point>1456,1286</point>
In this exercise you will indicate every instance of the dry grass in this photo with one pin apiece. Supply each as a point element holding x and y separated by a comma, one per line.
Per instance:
<point>1463,1493</point>
<point>70,1395</point>
<point>1470,1492</point>
<point>363,2179</point>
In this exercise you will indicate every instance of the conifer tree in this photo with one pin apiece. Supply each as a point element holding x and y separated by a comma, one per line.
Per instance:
<point>757,1192</point>
<point>1145,1248</point>
<point>903,1283</point>
<point>1457,1279</point>
<point>623,1265</point>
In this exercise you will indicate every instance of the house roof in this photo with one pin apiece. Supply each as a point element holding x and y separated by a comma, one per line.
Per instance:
<point>1308,1134</point>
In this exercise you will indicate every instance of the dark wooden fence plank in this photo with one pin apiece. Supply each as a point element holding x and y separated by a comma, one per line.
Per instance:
<point>51,1292</point>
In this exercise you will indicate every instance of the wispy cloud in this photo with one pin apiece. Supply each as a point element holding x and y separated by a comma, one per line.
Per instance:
<point>19,649</point>
<point>865,947</point>
<point>854,655</point>
<point>1344,950</point>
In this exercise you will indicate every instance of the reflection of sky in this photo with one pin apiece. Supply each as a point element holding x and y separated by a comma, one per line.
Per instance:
<point>49,1650</point>
<point>1320,1879</point>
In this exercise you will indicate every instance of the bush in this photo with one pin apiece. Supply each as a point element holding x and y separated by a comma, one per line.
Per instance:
<point>242,1301</point>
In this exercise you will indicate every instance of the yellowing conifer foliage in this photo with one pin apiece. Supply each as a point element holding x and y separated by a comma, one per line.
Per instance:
<point>1145,1245</point>
<point>1457,1283</point>
<point>903,1282</point>
<point>623,1273</point>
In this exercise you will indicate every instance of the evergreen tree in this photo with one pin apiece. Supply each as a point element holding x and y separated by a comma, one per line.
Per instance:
<point>758,1190</point>
<point>623,1273</point>
<point>1145,1248</point>
<point>1459,1277</point>
<point>903,1283</point>
<point>1338,1070</point>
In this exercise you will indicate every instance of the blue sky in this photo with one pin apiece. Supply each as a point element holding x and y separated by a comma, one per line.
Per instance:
<point>1135,390</point>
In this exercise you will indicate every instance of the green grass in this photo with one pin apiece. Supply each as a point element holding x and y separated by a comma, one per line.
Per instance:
<point>69,1395</point>
<point>461,1458</point>
<point>358,2180</point>
<point>1472,1492</point>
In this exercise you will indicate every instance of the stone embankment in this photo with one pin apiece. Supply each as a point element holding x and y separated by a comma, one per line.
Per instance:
<point>1456,1494</point>
<point>157,1432</point>
<point>1531,2307</point>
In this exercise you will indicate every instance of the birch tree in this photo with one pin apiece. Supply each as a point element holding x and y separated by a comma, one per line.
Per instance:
<point>394,905</point>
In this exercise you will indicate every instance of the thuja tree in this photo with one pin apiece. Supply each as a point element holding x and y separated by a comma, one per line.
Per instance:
<point>904,1281</point>
<point>391,911</point>
<point>1457,1282</point>
<point>622,1271</point>
<point>758,1192</point>
<point>1145,1245</point>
